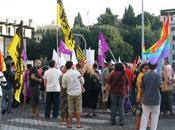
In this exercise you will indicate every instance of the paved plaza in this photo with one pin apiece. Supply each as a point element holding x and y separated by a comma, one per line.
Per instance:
<point>20,120</point>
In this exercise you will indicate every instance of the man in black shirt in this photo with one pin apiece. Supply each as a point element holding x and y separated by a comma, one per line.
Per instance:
<point>35,81</point>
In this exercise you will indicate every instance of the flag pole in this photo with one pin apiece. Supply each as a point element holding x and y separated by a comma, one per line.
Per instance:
<point>143,40</point>
<point>112,55</point>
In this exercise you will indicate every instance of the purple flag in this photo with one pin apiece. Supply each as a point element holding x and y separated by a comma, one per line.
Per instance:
<point>24,55</point>
<point>102,49</point>
<point>63,49</point>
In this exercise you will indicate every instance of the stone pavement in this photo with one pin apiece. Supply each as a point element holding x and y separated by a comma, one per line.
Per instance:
<point>20,120</point>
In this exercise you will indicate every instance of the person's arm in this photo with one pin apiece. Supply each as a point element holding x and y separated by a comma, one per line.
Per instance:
<point>64,82</point>
<point>3,80</point>
<point>139,90</point>
<point>33,77</point>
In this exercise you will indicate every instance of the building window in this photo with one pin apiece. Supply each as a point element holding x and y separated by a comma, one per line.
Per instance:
<point>0,29</point>
<point>174,38</point>
<point>172,18</point>
<point>9,30</point>
<point>173,57</point>
<point>172,29</point>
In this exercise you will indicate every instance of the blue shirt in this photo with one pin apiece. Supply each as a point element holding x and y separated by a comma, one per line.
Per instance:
<point>151,82</point>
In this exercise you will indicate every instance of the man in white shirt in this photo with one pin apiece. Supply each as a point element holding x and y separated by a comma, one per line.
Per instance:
<point>51,82</point>
<point>72,80</point>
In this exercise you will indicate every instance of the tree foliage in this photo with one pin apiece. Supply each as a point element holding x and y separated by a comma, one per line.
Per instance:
<point>108,18</point>
<point>78,21</point>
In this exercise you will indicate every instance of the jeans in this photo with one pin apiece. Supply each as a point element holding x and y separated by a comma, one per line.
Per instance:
<point>117,105</point>
<point>7,99</point>
<point>52,98</point>
<point>155,111</point>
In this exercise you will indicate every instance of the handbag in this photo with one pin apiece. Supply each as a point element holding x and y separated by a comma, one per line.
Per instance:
<point>166,87</point>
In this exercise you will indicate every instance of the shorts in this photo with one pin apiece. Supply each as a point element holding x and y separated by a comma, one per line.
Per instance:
<point>34,96</point>
<point>105,95</point>
<point>74,102</point>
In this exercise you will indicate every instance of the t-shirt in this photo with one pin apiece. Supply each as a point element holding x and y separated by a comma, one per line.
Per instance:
<point>52,76</point>
<point>34,82</point>
<point>3,82</point>
<point>72,80</point>
<point>105,72</point>
<point>151,82</point>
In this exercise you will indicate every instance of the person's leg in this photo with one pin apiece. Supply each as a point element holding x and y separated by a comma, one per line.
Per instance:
<point>4,101</point>
<point>170,100</point>
<point>121,101</point>
<point>155,116</point>
<point>113,109</point>
<point>56,99</point>
<point>145,115</point>
<point>10,100</point>
<point>48,104</point>
<point>70,110</point>
<point>78,109</point>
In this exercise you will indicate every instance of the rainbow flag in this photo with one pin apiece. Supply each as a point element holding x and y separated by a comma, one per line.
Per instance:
<point>161,48</point>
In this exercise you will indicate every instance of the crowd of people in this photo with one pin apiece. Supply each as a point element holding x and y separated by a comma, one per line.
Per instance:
<point>78,90</point>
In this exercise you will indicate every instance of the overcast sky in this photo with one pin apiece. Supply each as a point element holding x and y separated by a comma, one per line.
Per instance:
<point>44,11</point>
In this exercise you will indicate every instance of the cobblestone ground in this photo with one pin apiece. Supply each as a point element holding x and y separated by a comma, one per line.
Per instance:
<point>20,120</point>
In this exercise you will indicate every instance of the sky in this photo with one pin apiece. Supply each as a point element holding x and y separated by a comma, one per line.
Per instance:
<point>43,12</point>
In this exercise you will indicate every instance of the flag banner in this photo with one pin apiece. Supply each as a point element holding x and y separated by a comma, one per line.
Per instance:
<point>102,49</point>
<point>80,55</point>
<point>15,49</point>
<point>161,49</point>
<point>2,63</point>
<point>63,49</point>
<point>63,22</point>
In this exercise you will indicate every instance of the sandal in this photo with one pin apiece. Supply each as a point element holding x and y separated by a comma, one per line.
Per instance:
<point>69,126</point>
<point>79,126</point>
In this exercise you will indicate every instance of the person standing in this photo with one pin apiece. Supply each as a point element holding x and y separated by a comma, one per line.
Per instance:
<point>63,96</point>
<point>118,84</point>
<point>72,80</point>
<point>51,82</point>
<point>35,81</point>
<point>151,83</point>
<point>8,90</point>
<point>105,94</point>
<point>167,94</point>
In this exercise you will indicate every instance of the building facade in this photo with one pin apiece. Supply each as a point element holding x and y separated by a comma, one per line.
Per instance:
<point>163,14</point>
<point>7,31</point>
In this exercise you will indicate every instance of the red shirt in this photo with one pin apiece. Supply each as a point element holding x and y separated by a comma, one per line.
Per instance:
<point>130,75</point>
<point>118,84</point>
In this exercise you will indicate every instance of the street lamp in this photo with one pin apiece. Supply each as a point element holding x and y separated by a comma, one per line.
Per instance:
<point>85,44</point>
<point>143,37</point>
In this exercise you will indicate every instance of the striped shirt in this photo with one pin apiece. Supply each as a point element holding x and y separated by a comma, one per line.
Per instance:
<point>3,82</point>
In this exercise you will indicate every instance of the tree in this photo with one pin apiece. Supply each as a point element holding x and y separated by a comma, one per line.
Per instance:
<point>108,18</point>
<point>149,20</point>
<point>129,17</point>
<point>78,21</point>
<point>116,43</point>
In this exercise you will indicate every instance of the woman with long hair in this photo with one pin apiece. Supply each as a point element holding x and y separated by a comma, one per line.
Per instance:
<point>118,88</point>
<point>90,96</point>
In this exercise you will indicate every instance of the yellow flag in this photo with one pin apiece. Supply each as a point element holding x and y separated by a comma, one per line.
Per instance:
<point>63,22</point>
<point>12,48</point>
<point>80,55</point>
<point>15,50</point>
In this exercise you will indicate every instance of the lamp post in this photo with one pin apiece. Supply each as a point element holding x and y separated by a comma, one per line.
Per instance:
<point>143,34</point>
<point>85,44</point>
